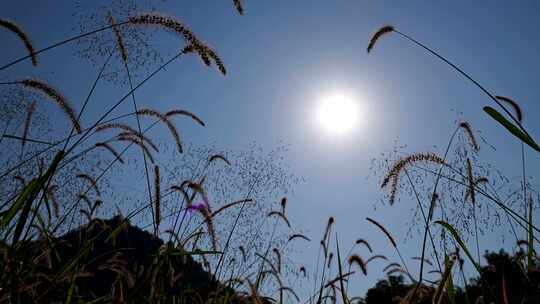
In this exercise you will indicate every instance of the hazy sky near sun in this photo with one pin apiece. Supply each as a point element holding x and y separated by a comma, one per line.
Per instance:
<point>283,55</point>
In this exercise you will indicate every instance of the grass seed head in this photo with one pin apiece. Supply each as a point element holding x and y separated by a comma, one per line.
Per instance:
<point>377,35</point>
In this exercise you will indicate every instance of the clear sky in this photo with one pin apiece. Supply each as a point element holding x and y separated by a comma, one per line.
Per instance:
<point>283,55</point>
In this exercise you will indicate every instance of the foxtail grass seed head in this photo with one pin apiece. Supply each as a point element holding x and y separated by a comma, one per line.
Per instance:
<point>328,227</point>
<point>376,257</point>
<point>54,95</point>
<point>391,265</point>
<point>386,232</point>
<point>205,52</point>
<point>283,204</point>
<point>198,188</point>
<point>296,236</point>
<point>303,270</point>
<point>11,26</point>
<point>229,205</point>
<point>377,35</point>
<point>110,149</point>
<point>470,178</point>
<point>92,181</point>
<point>281,216</point>
<point>115,125</point>
<point>139,143</point>
<point>325,250</point>
<point>119,39</point>
<point>218,156</point>
<point>140,137</point>
<point>243,252</point>
<point>85,198</point>
<point>470,135</point>
<point>185,113</point>
<point>278,258</point>
<point>87,214</point>
<point>209,226</point>
<point>365,243</point>
<point>514,105</point>
<point>392,176</point>
<point>167,122</point>
<point>330,257</point>
<point>356,259</point>
<point>27,121</point>
<point>97,203</point>
<point>238,6</point>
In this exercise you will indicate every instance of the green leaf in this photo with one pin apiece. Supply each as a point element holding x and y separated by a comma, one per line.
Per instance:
<point>343,290</point>
<point>443,282</point>
<point>456,236</point>
<point>70,291</point>
<point>29,192</point>
<point>511,127</point>
<point>28,196</point>
<point>450,290</point>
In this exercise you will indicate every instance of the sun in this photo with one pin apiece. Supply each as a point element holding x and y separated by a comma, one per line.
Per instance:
<point>338,113</point>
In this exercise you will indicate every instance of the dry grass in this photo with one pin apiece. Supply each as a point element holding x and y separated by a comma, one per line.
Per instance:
<point>165,120</point>
<point>238,5</point>
<point>12,26</point>
<point>53,94</point>
<point>119,39</point>
<point>27,121</point>
<point>356,259</point>
<point>470,135</point>
<point>514,105</point>
<point>109,148</point>
<point>205,52</point>
<point>386,232</point>
<point>377,35</point>
<point>392,177</point>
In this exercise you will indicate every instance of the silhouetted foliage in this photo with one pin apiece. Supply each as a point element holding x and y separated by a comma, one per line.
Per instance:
<point>132,265</point>
<point>521,286</point>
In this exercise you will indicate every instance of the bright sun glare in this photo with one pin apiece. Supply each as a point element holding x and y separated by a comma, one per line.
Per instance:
<point>338,113</point>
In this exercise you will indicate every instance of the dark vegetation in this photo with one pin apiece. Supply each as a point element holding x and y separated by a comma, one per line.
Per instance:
<point>222,215</point>
<point>503,274</point>
<point>128,259</point>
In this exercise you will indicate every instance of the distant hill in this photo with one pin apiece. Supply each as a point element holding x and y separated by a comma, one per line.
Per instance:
<point>132,266</point>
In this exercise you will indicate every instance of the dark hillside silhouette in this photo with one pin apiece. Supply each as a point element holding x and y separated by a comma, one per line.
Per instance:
<point>132,260</point>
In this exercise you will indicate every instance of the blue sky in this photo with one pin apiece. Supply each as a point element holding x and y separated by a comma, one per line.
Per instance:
<point>283,55</point>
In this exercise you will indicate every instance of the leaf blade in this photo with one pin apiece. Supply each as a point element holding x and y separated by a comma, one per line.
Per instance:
<point>511,127</point>
<point>458,239</point>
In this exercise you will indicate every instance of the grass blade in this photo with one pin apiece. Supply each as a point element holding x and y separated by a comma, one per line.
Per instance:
<point>458,239</point>
<point>511,127</point>
<point>450,290</point>
<point>27,197</point>
<point>343,290</point>
<point>504,294</point>
<point>446,276</point>
<point>530,246</point>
